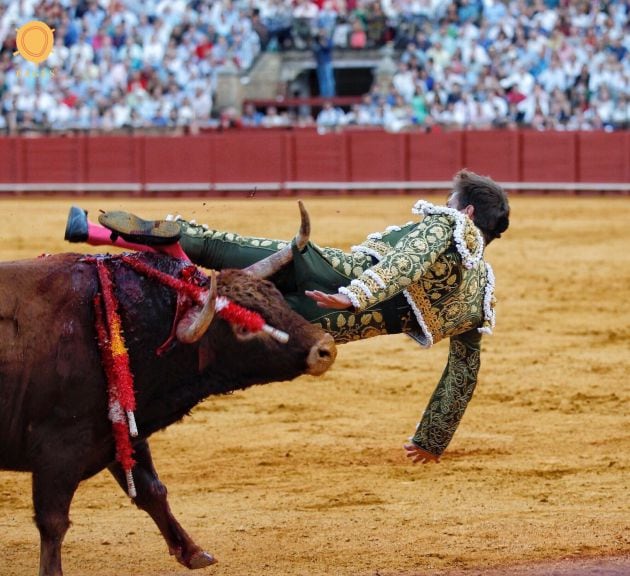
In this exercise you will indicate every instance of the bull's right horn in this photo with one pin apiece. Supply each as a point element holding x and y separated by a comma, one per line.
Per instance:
<point>196,321</point>
<point>272,263</point>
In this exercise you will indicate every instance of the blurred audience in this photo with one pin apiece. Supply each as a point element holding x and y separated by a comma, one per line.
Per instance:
<point>465,64</point>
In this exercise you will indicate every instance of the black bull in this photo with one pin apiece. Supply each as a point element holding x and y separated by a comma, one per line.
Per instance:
<point>53,391</point>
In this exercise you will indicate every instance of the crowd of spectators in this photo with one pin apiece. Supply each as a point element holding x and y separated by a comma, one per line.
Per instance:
<point>491,64</point>
<point>138,64</point>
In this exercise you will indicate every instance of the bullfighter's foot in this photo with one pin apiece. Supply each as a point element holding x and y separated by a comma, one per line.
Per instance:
<point>77,225</point>
<point>139,231</point>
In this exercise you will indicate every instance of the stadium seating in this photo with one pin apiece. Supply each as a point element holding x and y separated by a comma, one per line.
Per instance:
<point>132,65</point>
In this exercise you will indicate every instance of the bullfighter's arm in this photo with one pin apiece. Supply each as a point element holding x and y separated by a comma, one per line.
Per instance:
<point>451,396</point>
<point>403,265</point>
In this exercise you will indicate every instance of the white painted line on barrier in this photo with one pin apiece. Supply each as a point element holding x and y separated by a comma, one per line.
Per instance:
<point>292,185</point>
<point>566,185</point>
<point>250,186</point>
<point>177,186</point>
<point>71,187</point>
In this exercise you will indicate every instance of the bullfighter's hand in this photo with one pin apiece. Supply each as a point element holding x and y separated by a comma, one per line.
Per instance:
<point>417,454</point>
<point>335,301</point>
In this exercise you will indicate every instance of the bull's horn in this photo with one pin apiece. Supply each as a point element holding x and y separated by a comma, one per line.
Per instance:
<point>196,321</point>
<point>272,263</point>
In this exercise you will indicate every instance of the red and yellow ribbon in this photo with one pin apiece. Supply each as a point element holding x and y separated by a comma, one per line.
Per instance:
<point>115,359</point>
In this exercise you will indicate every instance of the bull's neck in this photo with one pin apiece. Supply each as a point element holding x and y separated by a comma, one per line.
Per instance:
<point>177,398</point>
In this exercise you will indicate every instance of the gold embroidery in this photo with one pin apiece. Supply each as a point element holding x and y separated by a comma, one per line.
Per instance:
<point>429,316</point>
<point>452,394</point>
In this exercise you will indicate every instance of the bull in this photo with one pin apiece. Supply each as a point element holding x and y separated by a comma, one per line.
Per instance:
<point>53,391</point>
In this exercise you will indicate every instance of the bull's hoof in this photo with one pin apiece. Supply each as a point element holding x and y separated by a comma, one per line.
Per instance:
<point>201,560</point>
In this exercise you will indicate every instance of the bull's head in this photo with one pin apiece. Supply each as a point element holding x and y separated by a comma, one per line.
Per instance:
<point>250,289</point>
<point>258,354</point>
<point>196,321</point>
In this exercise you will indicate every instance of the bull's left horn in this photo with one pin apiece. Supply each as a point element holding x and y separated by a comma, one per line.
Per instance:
<point>195,322</point>
<point>272,263</point>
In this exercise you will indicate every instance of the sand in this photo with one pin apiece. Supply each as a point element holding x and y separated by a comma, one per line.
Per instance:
<point>309,477</point>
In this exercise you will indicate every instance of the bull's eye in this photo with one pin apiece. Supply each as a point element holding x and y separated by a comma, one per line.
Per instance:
<point>242,333</point>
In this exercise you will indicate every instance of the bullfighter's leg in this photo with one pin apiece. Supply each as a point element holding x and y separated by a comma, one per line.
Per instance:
<point>80,229</point>
<point>209,248</point>
<point>319,268</point>
<point>152,498</point>
<point>54,486</point>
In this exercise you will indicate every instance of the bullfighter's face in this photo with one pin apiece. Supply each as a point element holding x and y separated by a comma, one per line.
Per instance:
<point>453,202</point>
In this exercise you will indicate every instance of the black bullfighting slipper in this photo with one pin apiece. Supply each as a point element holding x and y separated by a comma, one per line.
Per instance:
<point>139,231</point>
<point>77,225</point>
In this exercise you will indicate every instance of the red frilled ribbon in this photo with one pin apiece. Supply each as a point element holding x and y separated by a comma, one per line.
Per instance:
<point>235,314</point>
<point>115,361</point>
<point>228,310</point>
<point>183,287</point>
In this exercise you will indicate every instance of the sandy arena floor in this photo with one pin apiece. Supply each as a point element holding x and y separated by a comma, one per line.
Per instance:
<point>309,477</point>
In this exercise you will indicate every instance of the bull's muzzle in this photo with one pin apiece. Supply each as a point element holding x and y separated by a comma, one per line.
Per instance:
<point>321,356</point>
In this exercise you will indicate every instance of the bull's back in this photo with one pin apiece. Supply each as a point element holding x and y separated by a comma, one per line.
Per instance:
<point>47,345</point>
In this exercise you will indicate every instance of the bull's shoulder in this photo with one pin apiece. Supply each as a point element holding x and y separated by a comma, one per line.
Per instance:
<point>47,278</point>
<point>43,264</point>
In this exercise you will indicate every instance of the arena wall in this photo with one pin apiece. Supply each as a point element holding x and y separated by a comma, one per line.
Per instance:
<point>270,162</point>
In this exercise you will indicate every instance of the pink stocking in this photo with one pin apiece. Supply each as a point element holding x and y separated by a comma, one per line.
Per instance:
<point>100,236</point>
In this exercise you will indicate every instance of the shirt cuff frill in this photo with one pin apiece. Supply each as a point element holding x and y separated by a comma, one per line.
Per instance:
<point>364,291</point>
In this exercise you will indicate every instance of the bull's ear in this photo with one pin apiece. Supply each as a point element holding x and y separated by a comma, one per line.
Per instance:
<point>197,320</point>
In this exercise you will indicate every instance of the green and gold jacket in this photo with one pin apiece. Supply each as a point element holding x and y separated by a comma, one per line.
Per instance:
<point>438,265</point>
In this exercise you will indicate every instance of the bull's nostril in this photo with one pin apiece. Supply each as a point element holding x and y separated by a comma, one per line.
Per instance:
<point>322,355</point>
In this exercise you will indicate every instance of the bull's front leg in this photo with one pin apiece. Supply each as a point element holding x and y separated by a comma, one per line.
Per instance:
<point>152,498</point>
<point>54,485</point>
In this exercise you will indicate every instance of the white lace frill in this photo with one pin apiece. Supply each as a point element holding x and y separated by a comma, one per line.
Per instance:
<point>489,300</point>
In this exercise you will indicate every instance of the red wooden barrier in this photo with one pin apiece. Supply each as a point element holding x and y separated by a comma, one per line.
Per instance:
<point>604,157</point>
<point>113,159</point>
<point>178,159</point>
<point>548,157</point>
<point>250,156</point>
<point>320,158</point>
<point>495,153</point>
<point>377,157</point>
<point>284,161</point>
<point>52,159</point>
<point>10,163</point>
<point>435,156</point>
